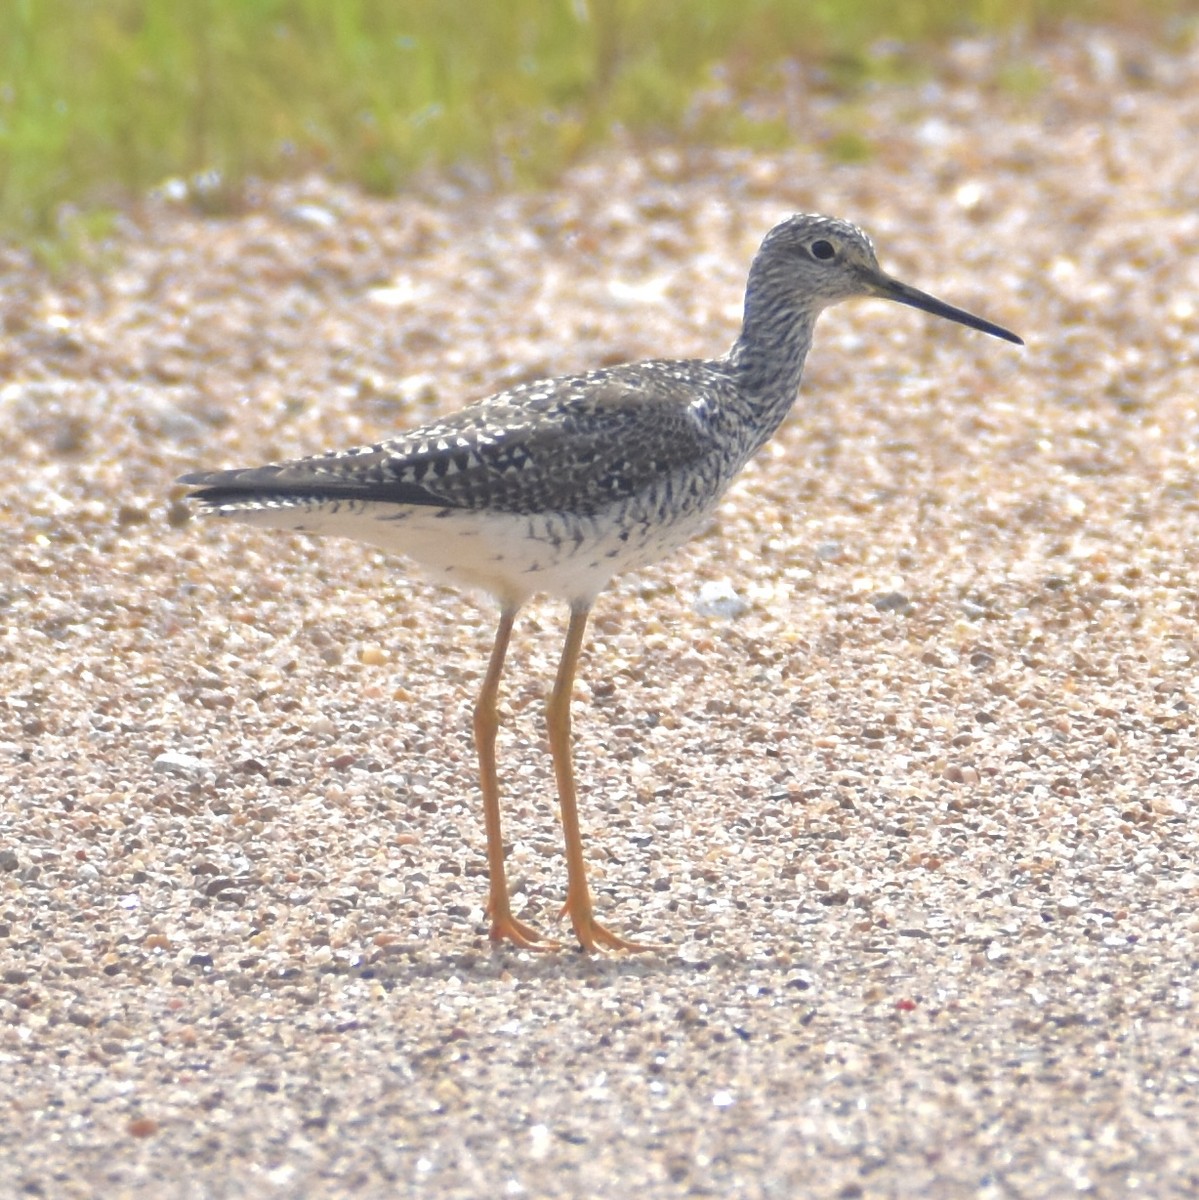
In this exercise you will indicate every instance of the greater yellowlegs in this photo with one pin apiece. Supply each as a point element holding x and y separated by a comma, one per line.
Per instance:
<point>556,486</point>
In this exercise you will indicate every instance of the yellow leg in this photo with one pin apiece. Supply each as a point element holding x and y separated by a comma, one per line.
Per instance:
<point>504,926</point>
<point>588,930</point>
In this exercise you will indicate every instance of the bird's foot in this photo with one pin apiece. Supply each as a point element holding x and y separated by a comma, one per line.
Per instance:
<point>507,928</point>
<point>594,936</point>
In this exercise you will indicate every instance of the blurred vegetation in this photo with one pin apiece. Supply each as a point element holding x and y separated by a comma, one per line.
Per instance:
<point>102,99</point>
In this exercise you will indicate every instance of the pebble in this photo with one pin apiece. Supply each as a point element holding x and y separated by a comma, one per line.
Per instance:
<point>719,599</point>
<point>892,602</point>
<point>173,762</point>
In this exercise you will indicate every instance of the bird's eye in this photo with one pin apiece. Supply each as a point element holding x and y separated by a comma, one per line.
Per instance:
<point>823,250</point>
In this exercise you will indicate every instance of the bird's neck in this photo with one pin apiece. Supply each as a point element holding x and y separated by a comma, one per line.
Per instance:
<point>768,358</point>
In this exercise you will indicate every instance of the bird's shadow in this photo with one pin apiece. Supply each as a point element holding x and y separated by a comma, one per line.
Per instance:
<point>404,964</point>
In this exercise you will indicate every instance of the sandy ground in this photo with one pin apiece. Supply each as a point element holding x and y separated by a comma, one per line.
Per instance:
<point>917,827</point>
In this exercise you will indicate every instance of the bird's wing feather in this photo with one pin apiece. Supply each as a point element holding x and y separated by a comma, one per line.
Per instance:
<point>581,443</point>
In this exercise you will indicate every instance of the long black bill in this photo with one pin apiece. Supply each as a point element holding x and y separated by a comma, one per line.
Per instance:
<point>891,289</point>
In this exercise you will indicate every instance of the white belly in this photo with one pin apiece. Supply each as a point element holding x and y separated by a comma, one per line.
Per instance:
<point>511,556</point>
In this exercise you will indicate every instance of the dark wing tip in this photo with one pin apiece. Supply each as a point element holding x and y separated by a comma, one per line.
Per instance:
<point>244,485</point>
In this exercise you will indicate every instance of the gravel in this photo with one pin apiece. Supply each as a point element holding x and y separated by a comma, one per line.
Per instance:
<point>916,829</point>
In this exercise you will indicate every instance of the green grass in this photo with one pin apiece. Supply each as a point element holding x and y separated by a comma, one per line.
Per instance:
<point>102,99</point>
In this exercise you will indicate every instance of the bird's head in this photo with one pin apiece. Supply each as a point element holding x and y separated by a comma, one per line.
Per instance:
<point>816,261</point>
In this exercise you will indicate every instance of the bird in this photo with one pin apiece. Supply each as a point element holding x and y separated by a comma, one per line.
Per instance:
<point>555,486</point>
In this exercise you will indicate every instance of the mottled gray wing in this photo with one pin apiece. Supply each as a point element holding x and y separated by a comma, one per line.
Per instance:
<point>577,443</point>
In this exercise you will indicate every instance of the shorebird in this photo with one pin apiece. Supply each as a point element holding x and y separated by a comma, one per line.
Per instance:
<point>555,486</point>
